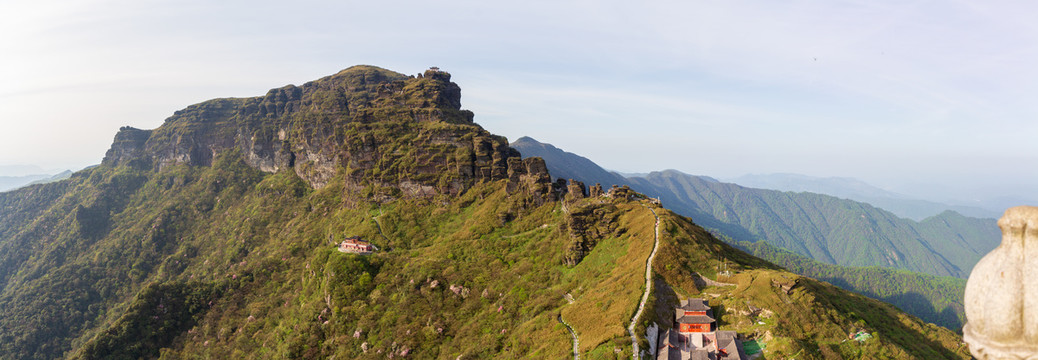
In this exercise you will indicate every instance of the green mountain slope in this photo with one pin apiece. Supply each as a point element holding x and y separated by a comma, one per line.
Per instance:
<point>834,230</point>
<point>214,236</point>
<point>849,188</point>
<point>935,299</point>
<point>821,227</point>
<point>774,306</point>
<point>785,218</point>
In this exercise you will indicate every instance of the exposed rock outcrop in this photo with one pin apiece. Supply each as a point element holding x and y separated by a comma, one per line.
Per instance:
<point>129,145</point>
<point>622,192</point>
<point>587,226</point>
<point>576,189</point>
<point>531,176</point>
<point>392,135</point>
<point>595,191</point>
<point>786,285</point>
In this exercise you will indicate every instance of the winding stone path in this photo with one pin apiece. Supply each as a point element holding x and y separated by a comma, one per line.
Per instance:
<point>576,341</point>
<point>648,287</point>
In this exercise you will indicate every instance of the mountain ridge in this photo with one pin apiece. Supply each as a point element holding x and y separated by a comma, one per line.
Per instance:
<point>204,238</point>
<point>284,130</point>
<point>8,183</point>
<point>850,188</point>
<point>807,223</point>
<point>724,211</point>
<point>824,227</point>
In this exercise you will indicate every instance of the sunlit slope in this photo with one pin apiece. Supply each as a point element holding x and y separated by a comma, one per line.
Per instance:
<point>794,316</point>
<point>214,236</point>
<point>821,227</point>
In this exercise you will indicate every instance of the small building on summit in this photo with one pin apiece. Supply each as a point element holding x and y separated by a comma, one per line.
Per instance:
<point>356,245</point>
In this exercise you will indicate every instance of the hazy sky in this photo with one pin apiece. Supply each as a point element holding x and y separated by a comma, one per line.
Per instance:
<point>930,97</point>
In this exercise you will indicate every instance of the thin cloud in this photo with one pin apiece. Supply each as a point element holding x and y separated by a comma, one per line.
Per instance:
<point>756,83</point>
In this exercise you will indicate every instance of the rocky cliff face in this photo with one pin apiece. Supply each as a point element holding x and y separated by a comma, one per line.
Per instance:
<point>587,225</point>
<point>386,133</point>
<point>128,145</point>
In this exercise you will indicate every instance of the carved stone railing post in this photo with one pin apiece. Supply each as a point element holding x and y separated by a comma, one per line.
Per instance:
<point>1002,292</point>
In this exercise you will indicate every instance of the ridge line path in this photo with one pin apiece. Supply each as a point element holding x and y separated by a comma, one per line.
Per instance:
<point>648,286</point>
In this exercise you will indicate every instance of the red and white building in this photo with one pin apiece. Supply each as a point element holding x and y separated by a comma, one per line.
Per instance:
<point>694,336</point>
<point>356,245</point>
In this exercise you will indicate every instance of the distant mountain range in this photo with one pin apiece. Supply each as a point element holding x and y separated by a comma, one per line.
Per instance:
<point>566,165</point>
<point>849,188</point>
<point>14,182</point>
<point>821,227</point>
<point>818,231</point>
<point>936,299</point>
<point>829,229</point>
<point>21,170</point>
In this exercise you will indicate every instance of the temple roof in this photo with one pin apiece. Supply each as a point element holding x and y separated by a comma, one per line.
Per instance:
<point>695,319</point>
<point>694,305</point>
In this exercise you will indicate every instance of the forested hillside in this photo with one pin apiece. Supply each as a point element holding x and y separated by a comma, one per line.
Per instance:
<point>821,227</point>
<point>830,229</point>
<point>863,237</point>
<point>848,188</point>
<point>936,299</point>
<point>214,236</point>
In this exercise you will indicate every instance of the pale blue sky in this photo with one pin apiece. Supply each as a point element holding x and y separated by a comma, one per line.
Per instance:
<point>917,96</point>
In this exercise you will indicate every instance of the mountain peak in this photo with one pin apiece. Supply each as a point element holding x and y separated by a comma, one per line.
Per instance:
<point>566,165</point>
<point>405,134</point>
<point>527,139</point>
